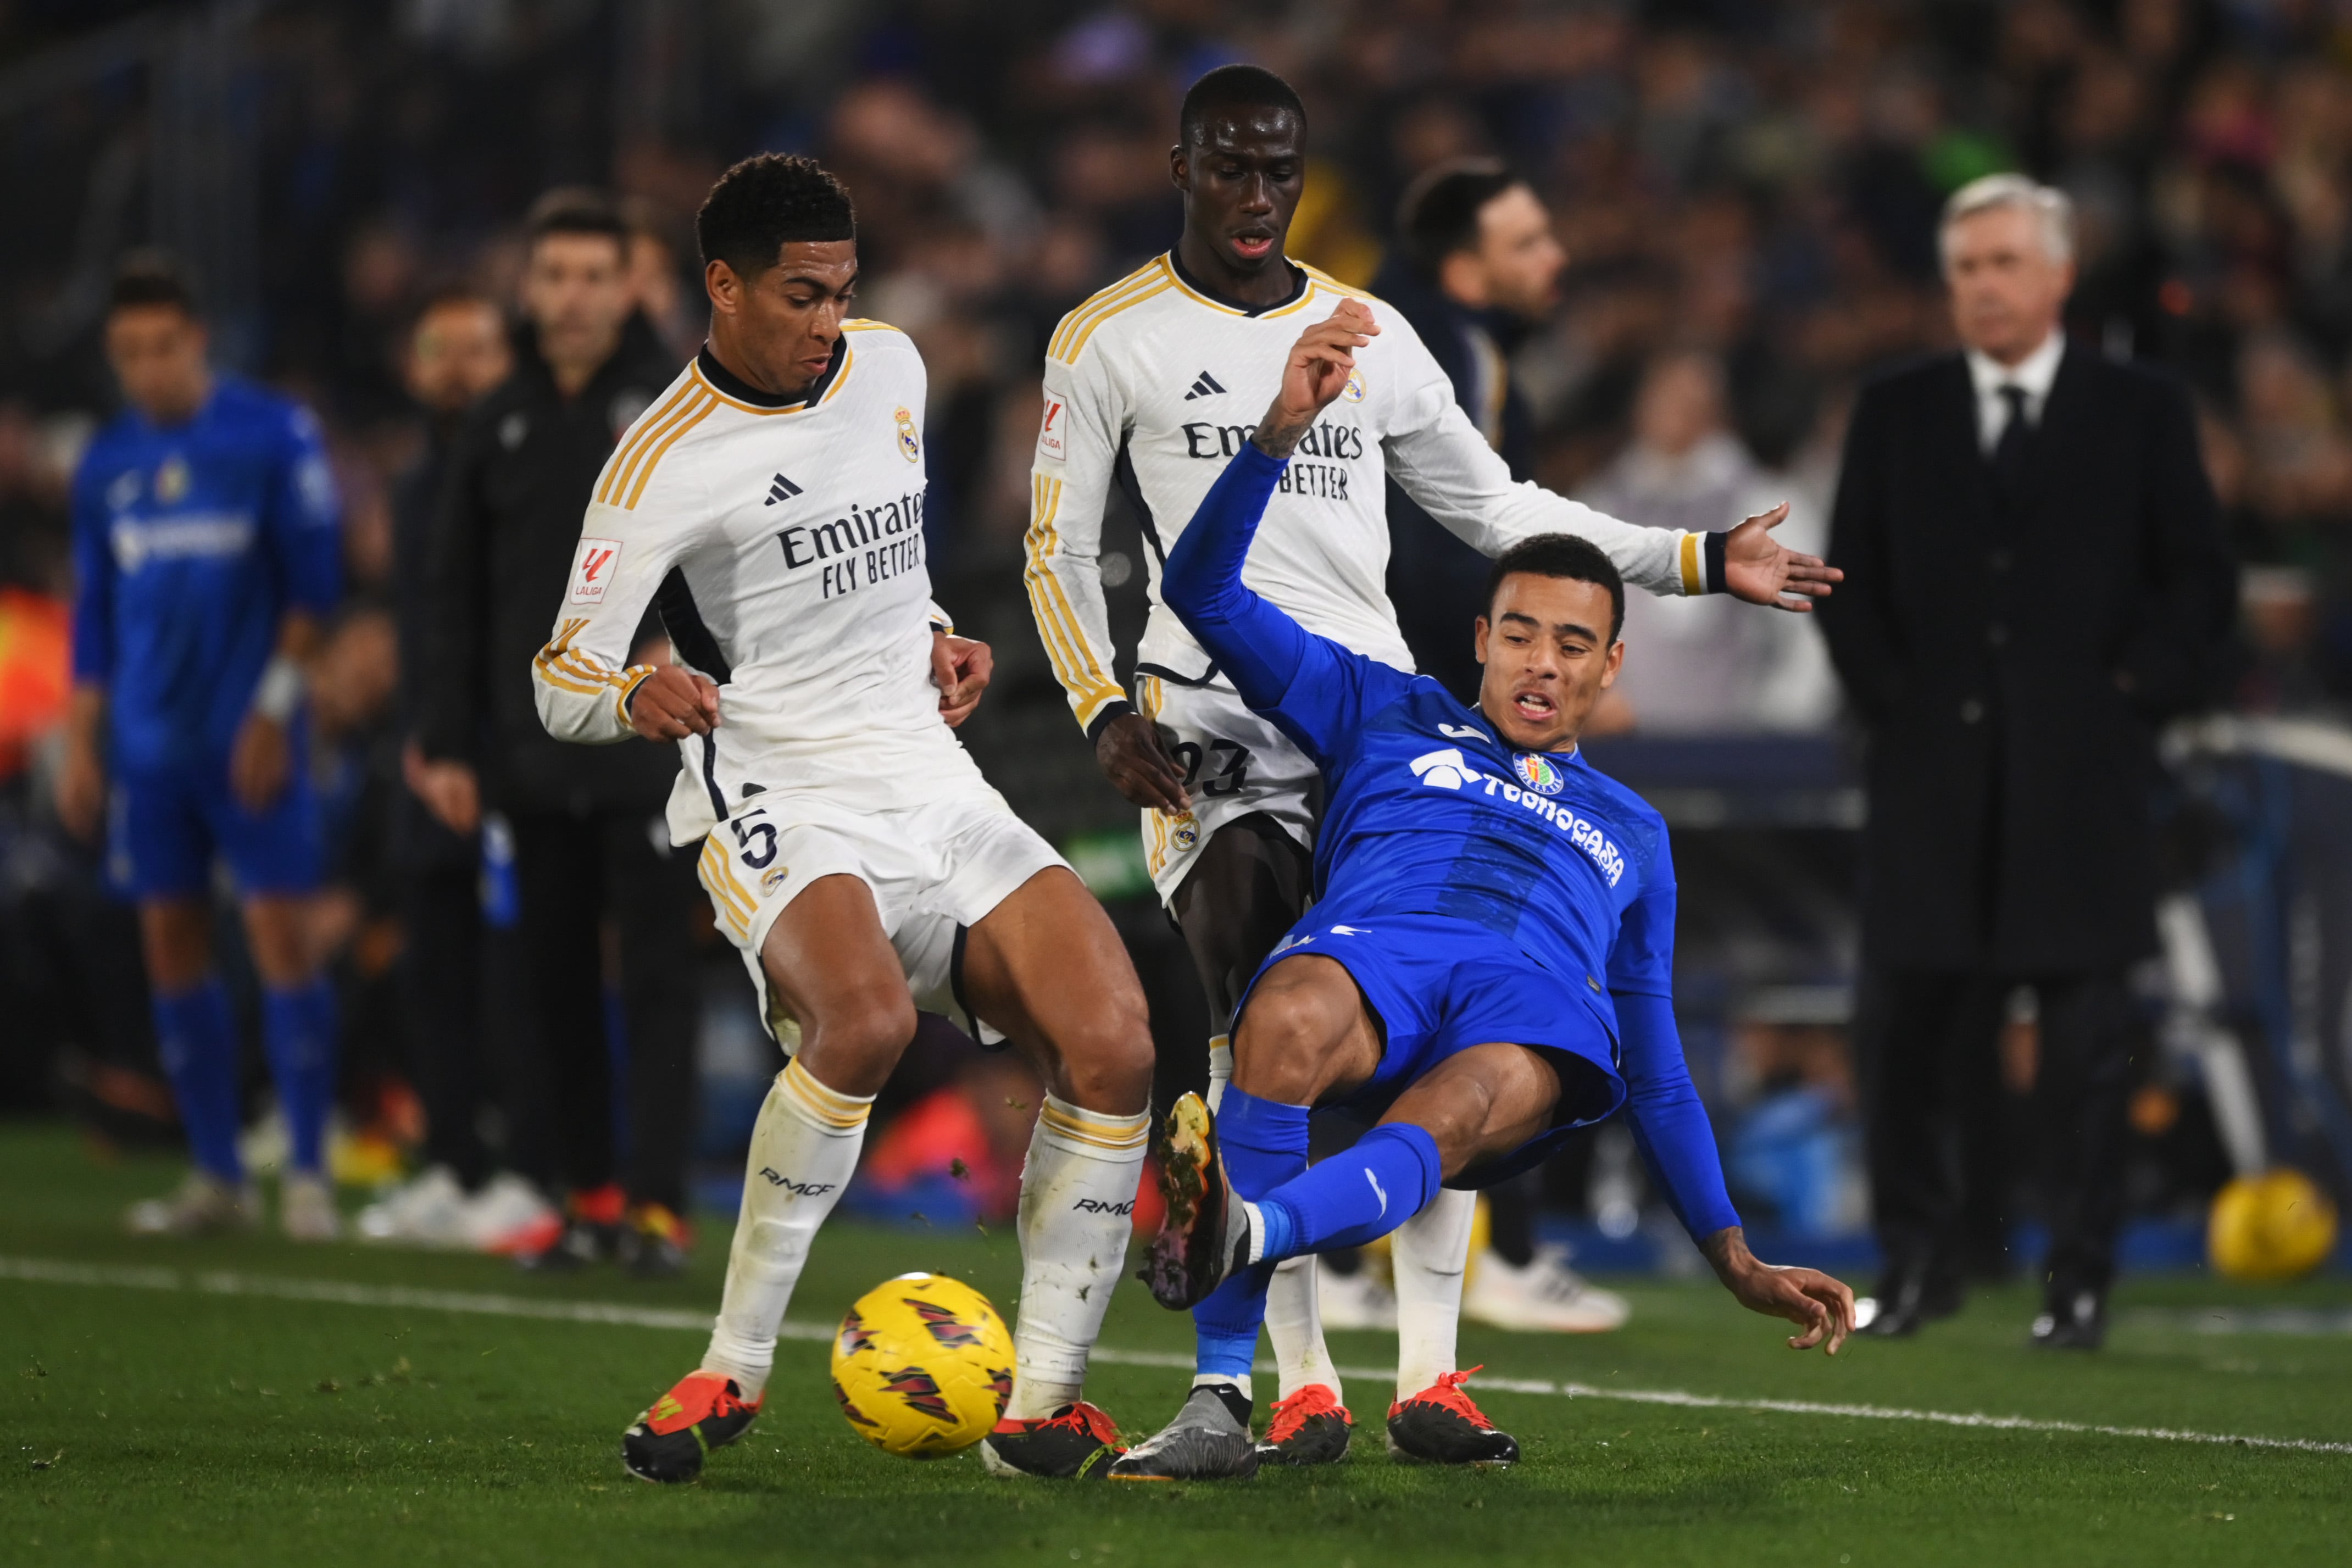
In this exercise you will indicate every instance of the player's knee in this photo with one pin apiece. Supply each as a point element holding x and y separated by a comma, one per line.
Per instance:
<point>1286,1044</point>
<point>1105,1064</point>
<point>867,1028</point>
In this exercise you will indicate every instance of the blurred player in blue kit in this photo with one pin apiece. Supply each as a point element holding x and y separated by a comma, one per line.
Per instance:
<point>206,554</point>
<point>1487,966</point>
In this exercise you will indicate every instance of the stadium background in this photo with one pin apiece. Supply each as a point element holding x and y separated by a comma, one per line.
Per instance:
<point>1748,189</point>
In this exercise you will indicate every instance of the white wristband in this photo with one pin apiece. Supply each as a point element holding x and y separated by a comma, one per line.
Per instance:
<point>281,692</point>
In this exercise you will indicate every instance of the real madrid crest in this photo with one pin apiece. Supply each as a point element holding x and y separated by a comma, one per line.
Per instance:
<point>1354,392</point>
<point>172,480</point>
<point>910,447</point>
<point>1539,774</point>
<point>1187,834</point>
<point>774,879</point>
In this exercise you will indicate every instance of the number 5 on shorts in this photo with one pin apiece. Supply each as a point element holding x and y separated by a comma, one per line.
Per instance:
<point>746,830</point>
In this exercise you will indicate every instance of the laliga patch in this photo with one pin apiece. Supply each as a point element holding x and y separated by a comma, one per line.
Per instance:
<point>1049,435</point>
<point>593,569</point>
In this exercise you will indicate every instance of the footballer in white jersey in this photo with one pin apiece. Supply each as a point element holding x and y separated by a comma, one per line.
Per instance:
<point>1152,385</point>
<point>770,502</point>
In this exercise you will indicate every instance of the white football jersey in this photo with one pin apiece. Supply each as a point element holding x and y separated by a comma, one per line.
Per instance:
<point>1153,386</point>
<point>796,533</point>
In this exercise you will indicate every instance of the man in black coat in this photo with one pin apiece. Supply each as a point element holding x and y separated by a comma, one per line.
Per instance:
<point>2034,580</point>
<point>590,840</point>
<point>456,354</point>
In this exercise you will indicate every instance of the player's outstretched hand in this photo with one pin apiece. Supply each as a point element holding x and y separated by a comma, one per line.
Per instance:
<point>1139,767</point>
<point>1317,372</point>
<point>1757,568</point>
<point>672,703</point>
<point>1822,1307</point>
<point>259,761</point>
<point>959,668</point>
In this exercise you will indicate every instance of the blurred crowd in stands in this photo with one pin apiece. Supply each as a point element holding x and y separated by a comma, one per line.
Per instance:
<point>1747,192</point>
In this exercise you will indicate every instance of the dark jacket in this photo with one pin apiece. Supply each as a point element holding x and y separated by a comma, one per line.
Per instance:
<point>2013,656</point>
<point>418,840</point>
<point>1437,583</point>
<point>521,474</point>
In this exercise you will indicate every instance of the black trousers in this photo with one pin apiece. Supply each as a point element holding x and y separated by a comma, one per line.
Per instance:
<point>441,912</point>
<point>1931,1093</point>
<point>573,873</point>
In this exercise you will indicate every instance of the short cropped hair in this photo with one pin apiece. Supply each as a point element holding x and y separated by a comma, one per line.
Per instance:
<point>768,202</point>
<point>575,209</point>
<point>1234,87</point>
<point>2053,210</point>
<point>150,278</point>
<point>1561,555</point>
<point>1439,214</point>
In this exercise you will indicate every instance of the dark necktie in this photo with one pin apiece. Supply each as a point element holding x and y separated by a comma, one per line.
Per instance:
<point>2016,437</point>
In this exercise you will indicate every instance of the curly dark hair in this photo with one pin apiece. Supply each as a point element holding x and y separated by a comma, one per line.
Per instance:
<point>1562,556</point>
<point>768,202</point>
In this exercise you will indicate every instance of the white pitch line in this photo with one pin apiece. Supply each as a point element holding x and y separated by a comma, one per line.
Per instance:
<point>221,1282</point>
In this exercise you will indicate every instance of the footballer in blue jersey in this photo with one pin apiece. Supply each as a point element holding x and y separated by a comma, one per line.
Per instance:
<point>206,554</point>
<point>1489,962</point>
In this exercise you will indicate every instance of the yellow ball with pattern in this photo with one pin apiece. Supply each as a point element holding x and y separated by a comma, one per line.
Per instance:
<point>2276,1226</point>
<point>922,1366</point>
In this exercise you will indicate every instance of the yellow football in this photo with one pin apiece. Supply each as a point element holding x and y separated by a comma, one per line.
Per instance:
<point>2272,1226</point>
<point>922,1366</point>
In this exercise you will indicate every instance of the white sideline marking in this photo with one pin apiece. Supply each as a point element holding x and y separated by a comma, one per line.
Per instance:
<point>221,1282</point>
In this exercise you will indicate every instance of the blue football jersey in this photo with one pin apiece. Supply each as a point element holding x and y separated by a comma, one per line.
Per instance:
<point>1428,811</point>
<point>191,542</point>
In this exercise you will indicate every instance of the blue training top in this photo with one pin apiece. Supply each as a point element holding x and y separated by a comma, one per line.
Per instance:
<point>1429,812</point>
<point>191,542</point>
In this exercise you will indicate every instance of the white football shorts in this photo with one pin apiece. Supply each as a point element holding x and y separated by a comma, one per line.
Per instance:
<point>1234,762</point>
<point>934,869</point>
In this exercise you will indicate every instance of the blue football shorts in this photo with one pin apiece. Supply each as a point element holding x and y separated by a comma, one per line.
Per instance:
<point>166,825</point>
<point>1437,986</point>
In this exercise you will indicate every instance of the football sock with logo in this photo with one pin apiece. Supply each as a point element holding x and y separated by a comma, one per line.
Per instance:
<point>804,1151</point>
<point>1429,1253</point>
<point>1264,1145</point>
<point>1354,1198</point>
<point>196,1038</point>
<point>298,1031</point>
<point>1077,1207</point>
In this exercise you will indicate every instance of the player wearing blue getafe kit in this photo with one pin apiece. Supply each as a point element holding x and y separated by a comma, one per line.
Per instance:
<point>1488,964</point>
<point>207,552</point>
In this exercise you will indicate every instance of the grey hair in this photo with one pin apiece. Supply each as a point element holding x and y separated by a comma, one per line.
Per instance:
<point>2051,208</point>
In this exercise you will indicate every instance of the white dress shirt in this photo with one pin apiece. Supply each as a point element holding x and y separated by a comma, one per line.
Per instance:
<point>2034,372</point>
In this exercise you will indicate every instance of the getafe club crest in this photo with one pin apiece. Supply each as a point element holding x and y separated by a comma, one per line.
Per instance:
<point>909,447</point>
<point>172,480</point>
<point>1539,774</point>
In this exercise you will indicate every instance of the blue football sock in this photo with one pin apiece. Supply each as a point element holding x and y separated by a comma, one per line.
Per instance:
<point>1352,1198</point>
<point>196,1038</point>
<point>297,1027</point>
<point>1264,1145</point>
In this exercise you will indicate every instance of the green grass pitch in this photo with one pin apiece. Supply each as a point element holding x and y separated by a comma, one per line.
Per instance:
<point>186,1426</point>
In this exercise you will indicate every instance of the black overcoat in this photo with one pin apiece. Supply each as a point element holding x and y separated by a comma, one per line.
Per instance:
<point>2013,656</point>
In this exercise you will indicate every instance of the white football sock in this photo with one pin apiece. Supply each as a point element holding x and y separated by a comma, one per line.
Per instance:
<point>1428,1253</point>
<point>1294,1324</point>
<point>804,1151</point>
<point>1221,1069</point>
<point>1077,1208</point>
